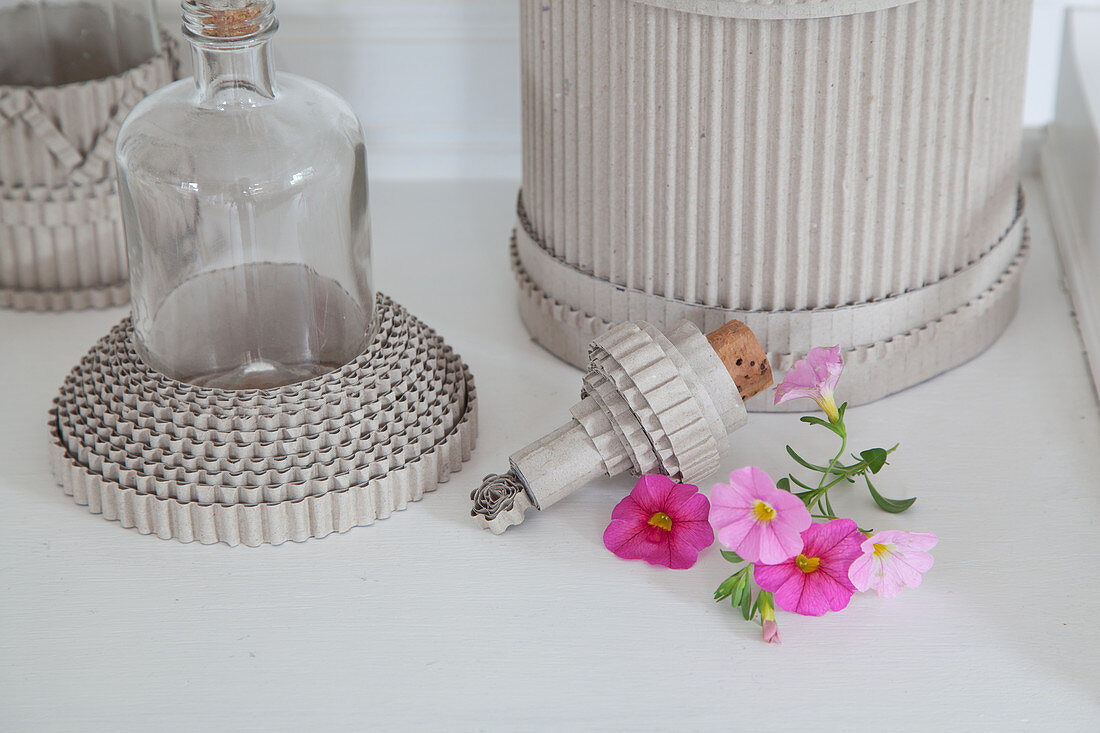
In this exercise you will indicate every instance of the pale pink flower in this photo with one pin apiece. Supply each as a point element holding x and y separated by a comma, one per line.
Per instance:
<point>767,619</point>
<point>814,377</point>
<point>816,580</point>
<point>755,519</point>
<point>661,522</point>
<point>892,560</point>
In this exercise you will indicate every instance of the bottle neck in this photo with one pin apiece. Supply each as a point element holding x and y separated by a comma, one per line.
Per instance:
<point>231,47</point>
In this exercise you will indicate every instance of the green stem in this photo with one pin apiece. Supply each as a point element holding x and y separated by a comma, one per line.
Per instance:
<point>832,464</point>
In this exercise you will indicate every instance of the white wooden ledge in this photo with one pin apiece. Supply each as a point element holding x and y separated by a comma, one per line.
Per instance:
<point>425,622</point>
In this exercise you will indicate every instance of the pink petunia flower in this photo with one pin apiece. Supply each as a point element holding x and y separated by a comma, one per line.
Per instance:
<point>814,377</point>
<point>755,519</point>
<point>816,580</point>
<point>661,522</point>
<point>892,560</point>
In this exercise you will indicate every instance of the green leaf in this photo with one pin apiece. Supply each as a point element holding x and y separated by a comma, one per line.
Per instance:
<point>756,605</point>
<point>729,586</point>
<point>725,589</point>
<point>732,556</point>
<point>894,506</point>
<point>783,484</point>
<point>875,458</point>
<point>746,602</point>
<point>840,411</point>
<point>804,463</point>
<point>742,583</point>
<point>815,420</point>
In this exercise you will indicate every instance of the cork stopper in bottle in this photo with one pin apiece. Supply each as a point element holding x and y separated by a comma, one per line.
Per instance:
<point>234,23</point>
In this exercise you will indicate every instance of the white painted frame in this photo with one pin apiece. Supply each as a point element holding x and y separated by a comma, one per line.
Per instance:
<point>1070,165</point>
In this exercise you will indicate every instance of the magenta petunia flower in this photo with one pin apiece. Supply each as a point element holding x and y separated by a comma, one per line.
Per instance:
<point>814,377</point>
<point>815,580</point>
<point>661,522</point>
<point>755,519</point>
<point>892,560</point>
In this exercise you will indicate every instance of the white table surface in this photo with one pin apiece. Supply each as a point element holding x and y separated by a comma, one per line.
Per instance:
<point>424,621</point>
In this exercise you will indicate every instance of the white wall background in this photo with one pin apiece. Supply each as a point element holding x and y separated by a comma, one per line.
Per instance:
<point>1044,56</point>
<point>436,82</point>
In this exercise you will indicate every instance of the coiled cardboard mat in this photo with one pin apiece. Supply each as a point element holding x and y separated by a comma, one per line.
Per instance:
<point>264,466</point>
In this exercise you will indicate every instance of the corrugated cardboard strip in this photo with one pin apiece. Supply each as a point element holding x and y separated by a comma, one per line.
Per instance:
<point>264,466</point>
<point>61,238</point>
<point>847,170</point>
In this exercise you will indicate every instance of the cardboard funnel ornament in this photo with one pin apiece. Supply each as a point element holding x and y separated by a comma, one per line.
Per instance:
<point>652,402</point>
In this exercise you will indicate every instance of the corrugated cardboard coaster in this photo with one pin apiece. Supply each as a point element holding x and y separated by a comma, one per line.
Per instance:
<point>264,466</point>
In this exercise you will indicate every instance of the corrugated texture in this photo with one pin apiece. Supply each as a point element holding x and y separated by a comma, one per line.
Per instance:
<point>784,9</point>
<point>61,238</point>
<point>772,165</point>
<point>784,332</point>
<point>264,466</point>
<point>872,369</point>
<point>652,402</point>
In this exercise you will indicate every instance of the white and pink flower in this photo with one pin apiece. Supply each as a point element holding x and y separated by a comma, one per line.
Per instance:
<point>892,560</point>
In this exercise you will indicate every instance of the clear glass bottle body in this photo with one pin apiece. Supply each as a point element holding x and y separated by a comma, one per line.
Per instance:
<point>244,200</point>
<point>54,42</point>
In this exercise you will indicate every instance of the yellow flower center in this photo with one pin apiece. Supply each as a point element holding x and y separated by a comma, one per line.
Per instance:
<point>881,550</point>
<point>807,564</point>
<point>662,520</point>
<point>763,511</point>
<point>827,402</point>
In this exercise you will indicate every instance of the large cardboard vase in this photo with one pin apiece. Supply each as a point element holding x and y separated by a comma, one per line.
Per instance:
<point>828,171</point>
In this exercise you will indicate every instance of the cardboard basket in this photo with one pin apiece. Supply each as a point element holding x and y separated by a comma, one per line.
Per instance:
<point>61,238</point>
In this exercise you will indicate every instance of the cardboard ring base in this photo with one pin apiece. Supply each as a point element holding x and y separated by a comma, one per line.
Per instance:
<point>394,461</point>
<point>64,300</point>
<point>873,369</point>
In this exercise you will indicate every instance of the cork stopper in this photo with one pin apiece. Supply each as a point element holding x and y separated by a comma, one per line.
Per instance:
<point>230,23</point>
<point>744,357</point>
<point>228,19</point>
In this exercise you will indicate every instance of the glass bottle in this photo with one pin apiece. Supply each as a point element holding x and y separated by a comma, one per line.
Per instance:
<point>244,200</point>
<point>54,42</point>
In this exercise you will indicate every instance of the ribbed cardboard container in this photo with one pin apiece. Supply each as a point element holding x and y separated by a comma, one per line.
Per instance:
<point>61,239</point>
<point>829,172</point>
